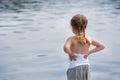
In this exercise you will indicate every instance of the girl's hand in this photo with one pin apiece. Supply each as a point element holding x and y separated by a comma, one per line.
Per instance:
<point>86,55</point>
<point>72,57</point>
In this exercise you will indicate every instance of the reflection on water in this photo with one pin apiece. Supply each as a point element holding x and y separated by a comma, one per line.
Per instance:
<point>31,38</point>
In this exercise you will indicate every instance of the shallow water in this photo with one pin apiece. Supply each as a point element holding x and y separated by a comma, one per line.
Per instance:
<point>33,32</point>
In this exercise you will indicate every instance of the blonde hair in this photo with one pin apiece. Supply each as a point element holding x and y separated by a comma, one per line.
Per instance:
<point>79,23</point>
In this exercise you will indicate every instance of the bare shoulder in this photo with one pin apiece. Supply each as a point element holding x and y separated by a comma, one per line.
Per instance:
<point>89,39</point>
<point>70,38</point>
<point>68,42</point>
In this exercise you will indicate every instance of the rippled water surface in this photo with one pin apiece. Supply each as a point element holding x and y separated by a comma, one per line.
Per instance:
<point>33,32</point>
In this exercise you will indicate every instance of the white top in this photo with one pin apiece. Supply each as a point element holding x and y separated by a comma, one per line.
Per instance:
<point>80,60</point>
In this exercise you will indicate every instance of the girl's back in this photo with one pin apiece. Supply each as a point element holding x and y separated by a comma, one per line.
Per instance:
<point>76,47</point>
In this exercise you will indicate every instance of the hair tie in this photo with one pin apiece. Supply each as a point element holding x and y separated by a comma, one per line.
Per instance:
<point>81,37</point>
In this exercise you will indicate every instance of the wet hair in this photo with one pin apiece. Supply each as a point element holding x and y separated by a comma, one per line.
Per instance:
<point>79,23</point>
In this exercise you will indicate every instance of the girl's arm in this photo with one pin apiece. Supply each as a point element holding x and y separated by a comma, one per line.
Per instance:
<point>98,46</point>
<point>67,49</point>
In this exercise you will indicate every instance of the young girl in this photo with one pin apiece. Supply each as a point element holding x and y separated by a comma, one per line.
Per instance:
<point>77,48</point>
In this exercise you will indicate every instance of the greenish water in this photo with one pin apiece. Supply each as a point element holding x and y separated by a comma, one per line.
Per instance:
<point>33,32</point>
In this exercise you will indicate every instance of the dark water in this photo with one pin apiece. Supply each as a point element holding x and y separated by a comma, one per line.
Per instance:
<point>33,32</point>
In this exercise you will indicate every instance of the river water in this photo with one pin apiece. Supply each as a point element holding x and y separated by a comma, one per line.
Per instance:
<point>33,33</point>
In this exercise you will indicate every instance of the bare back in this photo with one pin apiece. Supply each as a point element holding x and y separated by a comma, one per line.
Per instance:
<point>76,47</point>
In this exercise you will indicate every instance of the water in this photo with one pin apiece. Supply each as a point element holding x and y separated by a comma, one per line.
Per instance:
<point>33,32</point>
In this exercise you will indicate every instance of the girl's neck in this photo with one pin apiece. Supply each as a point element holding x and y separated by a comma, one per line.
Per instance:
<point>80,34</point>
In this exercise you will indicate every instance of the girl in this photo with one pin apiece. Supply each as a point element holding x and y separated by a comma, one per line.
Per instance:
<point>77,48</point>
